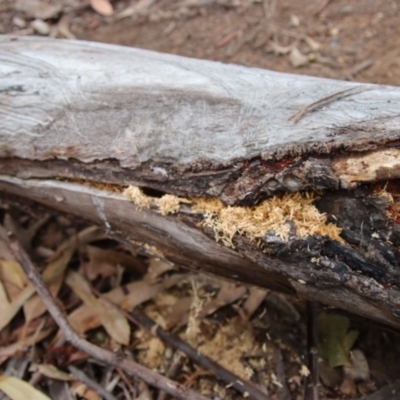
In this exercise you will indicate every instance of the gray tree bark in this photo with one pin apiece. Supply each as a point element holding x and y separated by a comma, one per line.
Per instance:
<point>82,121</point>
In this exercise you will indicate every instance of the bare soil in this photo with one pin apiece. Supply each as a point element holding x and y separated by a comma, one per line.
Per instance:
<point>340,39</point>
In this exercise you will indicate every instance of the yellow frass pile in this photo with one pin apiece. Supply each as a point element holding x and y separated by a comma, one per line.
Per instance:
<point>253,222</point>
<point>269,215</point>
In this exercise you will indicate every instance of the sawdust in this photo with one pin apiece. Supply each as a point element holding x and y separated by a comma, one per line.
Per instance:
<point>229,345</point>
<point>140,200</point>
<point>270,215</point>
<point>150,350</point>
<point>253,222</point>
<point>169,204</point>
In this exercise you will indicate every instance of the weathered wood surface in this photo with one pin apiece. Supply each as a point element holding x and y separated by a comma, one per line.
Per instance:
<point>109,114</point>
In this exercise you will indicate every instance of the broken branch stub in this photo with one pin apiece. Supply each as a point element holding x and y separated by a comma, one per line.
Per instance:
<point>180,159</point>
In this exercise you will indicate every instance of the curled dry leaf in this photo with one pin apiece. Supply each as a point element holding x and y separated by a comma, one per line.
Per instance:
<point>103,7</point>
<point>113,321</point>
<point>50,371</point>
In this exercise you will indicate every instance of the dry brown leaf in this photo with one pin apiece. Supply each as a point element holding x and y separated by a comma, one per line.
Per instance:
<point>84,318</point>
<point>12,308</point>
<point>113,321</point>
<point>50,371</point>
<point>3,297</point>
<point>87,235</point>
<point>253,301</point>
<point>179,311</point>
<point>10,350</point>
<point>156,269</point>
<point>115,257</point>
<point>17,389</point>
<point>54,275</point>
<point>136,8</point>
<point>13,277</point>
<point>95,268</point>
<point>103,7</point>
<point>91,394</point>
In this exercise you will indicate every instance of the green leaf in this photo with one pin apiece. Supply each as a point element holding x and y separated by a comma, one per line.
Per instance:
<point>335,341</point>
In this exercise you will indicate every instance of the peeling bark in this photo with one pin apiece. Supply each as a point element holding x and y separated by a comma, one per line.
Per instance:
<point>81,121</point>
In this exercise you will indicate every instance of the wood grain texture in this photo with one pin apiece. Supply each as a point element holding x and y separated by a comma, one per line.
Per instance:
<point>74,113</point>
<point>283,267</point>
<point>158,120</point>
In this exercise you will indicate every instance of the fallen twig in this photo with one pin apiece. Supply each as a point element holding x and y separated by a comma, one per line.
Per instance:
<point>312,381</point>
<point>108,357</point>
<point>389,392</point>
<point>246,388</point>
<point>139,318</point>
<point>81,376</point>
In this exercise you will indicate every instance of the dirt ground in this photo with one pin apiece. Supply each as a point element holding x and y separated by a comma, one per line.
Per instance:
<point>355,40</point>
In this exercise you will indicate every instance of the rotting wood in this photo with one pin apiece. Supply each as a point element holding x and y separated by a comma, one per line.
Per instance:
<point>81,122</point>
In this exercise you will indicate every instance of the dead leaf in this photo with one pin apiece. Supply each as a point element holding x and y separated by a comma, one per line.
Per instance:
<point>38,8</point>
<point>18,389</point>
<point>312,44</point>
<point>113,321</point>
<point>115,257</point>
<point>103,7</point>
<point>228,293</point>
<point>87,235</point>
<point>10,350</point>
<point>336,340</point>
<point>53,275</point>
<point>134,9</point>
<point>282,50</point>
<point>156,269</point>
<point>12,308</point>
<point>84,318</point>
<point>255,298</point>
<point>179,311</point>
<point>13,277</point>
<point>91,394</point>
<point>297,58</point>
<point>3,297</point>
<point>50,371</point>
<point>95,268</point>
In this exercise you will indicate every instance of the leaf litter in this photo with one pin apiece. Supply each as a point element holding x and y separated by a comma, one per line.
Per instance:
<point>227,322</point>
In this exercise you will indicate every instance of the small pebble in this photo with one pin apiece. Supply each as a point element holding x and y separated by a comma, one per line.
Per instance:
<point>19,22</point>
<point>40,27</point>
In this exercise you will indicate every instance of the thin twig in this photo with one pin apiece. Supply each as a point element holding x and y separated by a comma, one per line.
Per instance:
<point>246,388</point>
<point>173,370</point>
<point>283,391</point>
<point>108,357</point>
<point>321,6</point>
<point>312,384</point>
<point>296,117</point>
<point>389,392</point>
<point>139,318</point>
<point>81,376</point>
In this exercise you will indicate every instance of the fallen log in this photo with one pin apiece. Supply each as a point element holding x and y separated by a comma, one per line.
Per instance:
<point>281,181</point>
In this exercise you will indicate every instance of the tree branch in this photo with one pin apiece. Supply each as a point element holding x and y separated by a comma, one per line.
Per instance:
<point>132,368</point>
